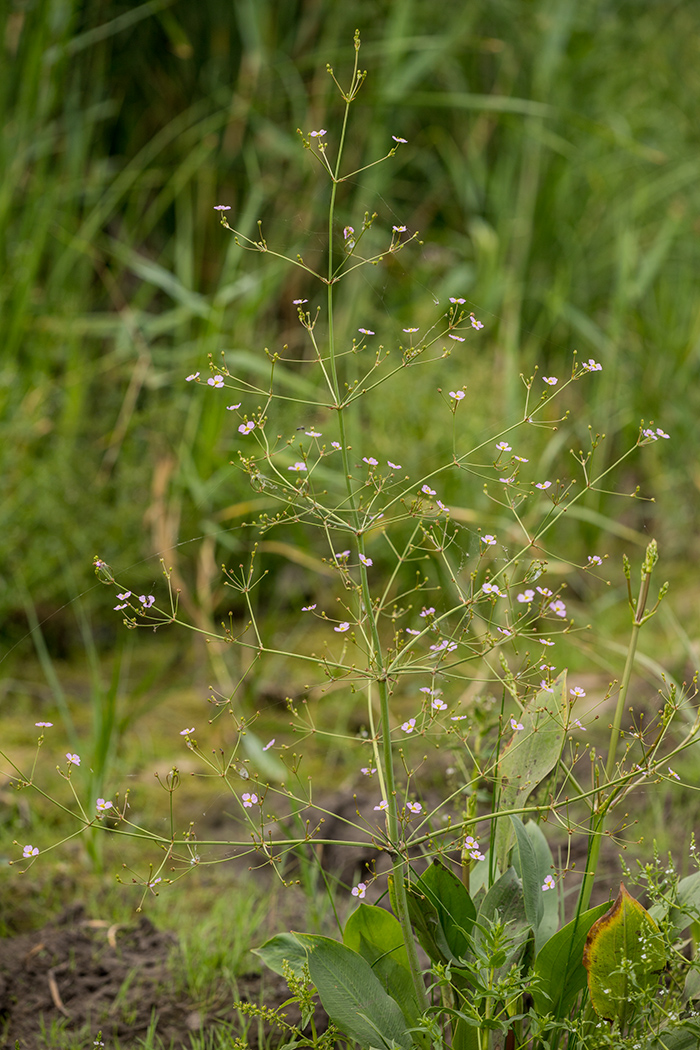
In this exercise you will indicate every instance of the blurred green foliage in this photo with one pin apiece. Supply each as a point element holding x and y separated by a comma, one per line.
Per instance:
<point>552,168</point>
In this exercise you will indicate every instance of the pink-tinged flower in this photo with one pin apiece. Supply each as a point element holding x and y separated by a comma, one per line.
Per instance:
<point>359,890</point>
<point>269,744</point>
<point>593,559</point>
<point>409,726</point>
<point>521,459</point>
<point>508,481</point>
<point>577,692</point>
<point>146,600</point>
<point>426,489</point>
<point>515,725</point>
<point>195,375</point>
<point>548,884</point>
<point>545,641</point>
<point>545,592</point>
<point>558,608</point>
<point>397,138</point>
<point>471,846</point>
<point>43,725</point>
<point>394,466</point>
<point>438,705</point>
<point>222,207</point>
<point>552,380</point>
<point>217,381</point>
<point>576,722</point>
<point>673,773</point>
<point>299,302</point>
<point>245,428</point>
<point>102,806</point>
<point>400,229</point>
<point>73,759</point>
<point>308,608</point>
<point>492,588</point>
<point>409,331</point>
<point>336,445</point>
<point>445,646</point>
<point>124,596</point>
<point>345,626</point>
<point>118,608</point>
<point>655,436</point>
<point>365,331</point>
<point>370,461</point>
<point>429,691</point>
<point>186,732</point>
<point>410,630</point>
<point>249,799</point>
<point>383,805</point>
<point>347,231</point>
<point>457,338</point>
<point>457,302</point>
<point>503,446</point>
<point>547,667</point>
<point>475,324</point>
<point>546,687</point>
<point>318,134</point>
<point>457,394</point>
<point>543,485</point>
<point>427,612</point>
<point>525,597</point>
<point>233,408</point>
<point>298,467</point>
<point>367,771</point>
<point>442,506</point>
<point>592,366</point>
<point>458,718</point>
<point>30,851</point>
<point>488,539</point>
<point>504,630</point>
<point>154,882</point>
<point>414,807</point>
<point>342,555</point>
<point>364,560</point>
<point>313,433</point>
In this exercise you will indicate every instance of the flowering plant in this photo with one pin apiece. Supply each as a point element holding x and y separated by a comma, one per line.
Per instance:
<point>472,880</point>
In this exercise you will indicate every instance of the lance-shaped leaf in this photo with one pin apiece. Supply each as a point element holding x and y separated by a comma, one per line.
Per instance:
<point>624,946</point>
<point>531,754</point>
<point>354,998</point>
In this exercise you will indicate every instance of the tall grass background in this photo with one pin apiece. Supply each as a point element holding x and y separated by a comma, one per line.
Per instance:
<point>552,168</point>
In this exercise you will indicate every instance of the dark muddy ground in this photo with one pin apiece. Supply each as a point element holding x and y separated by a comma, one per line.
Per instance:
<point>89,976</point>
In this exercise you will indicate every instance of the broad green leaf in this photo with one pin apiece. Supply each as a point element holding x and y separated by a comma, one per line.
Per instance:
<point>691,988</point>
<point>627,931</point>
<point>378,927</point>
<point>549,922</point>
<point>531,754</point>
<point>426,925</point>
<point>354,998</point>
<point>504,902</point>
<point>455,909</point>
<point>559,965</point>
<point>678,1039</point>
<point>285,947</point>
<point>376,935</point>
<point>529,874</point>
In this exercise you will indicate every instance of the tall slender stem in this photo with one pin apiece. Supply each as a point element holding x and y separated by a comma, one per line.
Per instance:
<point>601,805</point>
<point>399,865</point>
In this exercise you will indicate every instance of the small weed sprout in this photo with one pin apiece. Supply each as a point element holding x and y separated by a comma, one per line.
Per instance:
<point>413,604</point>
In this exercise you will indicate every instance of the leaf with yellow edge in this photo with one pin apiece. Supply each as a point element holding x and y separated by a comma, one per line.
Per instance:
<point>623,950</point>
